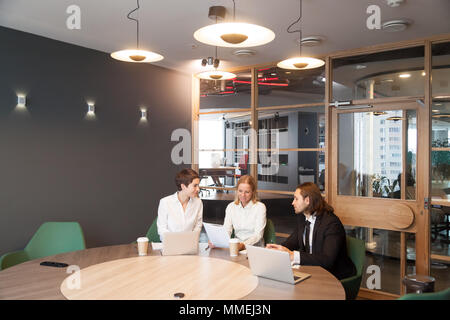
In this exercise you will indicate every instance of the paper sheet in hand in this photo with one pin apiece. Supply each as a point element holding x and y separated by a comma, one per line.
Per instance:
<point>217,235</point>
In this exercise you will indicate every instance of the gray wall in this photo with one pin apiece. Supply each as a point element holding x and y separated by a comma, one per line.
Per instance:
<point>108,173</point>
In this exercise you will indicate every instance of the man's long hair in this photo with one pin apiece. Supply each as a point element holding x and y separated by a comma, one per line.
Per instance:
<point>316,201</point>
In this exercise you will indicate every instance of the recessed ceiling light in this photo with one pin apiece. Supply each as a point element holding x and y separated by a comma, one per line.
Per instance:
<point>244,53</point>
<point>311,41</point>
<point>396,25</point>
<point>387,80</point>
<point>360,67</point>
<point>404,75</point>
<point>423,73</point>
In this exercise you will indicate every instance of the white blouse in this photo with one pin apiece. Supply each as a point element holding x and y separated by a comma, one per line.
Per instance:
<point>248,222</point>
<point>172,217</point>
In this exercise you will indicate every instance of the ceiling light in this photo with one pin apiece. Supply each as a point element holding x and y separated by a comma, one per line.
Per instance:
<point>215,75</point>
<point>311,41</point>
<point>423,73</point>
<point>435,110</point>
<point>300,62</point>
<point>244,53</point>
<point>379,113</point>
<point>395,118</point>
<point>233,34</point>
<point>404,75</point>
<point>396,25</point>
<point>136,55</point>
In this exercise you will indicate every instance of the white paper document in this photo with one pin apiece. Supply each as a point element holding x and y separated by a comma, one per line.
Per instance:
<point>157,246</point>
<point>217,235</point>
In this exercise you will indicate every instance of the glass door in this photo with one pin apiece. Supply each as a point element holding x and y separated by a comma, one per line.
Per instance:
<point>376,182</point>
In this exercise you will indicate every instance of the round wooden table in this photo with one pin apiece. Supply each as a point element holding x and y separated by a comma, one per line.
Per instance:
<point>30,280</point>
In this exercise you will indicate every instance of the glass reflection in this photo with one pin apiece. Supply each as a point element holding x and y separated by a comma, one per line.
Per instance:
<point>226,94</point>
<point>280,87</point>
<point>292,128</point>
<point>370,153</point>
<point>393,73</point>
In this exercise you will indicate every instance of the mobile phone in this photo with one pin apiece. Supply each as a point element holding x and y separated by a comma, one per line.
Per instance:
<point>54,264</point>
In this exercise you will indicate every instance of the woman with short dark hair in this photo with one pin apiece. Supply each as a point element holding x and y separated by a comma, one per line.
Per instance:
<point>183,210</point>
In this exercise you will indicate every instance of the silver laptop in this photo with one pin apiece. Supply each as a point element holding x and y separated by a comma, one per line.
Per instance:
<point>176,243</point>
<point>273,264</point>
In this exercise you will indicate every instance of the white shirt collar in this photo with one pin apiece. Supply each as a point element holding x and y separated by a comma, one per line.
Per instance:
<point>248,206</point>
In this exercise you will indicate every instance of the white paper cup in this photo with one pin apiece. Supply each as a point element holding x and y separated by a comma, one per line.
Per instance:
<point>234,247</point>
<point>142,246</point>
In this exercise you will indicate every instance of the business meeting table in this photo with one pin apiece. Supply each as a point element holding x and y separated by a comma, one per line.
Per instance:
<point>119,273</point>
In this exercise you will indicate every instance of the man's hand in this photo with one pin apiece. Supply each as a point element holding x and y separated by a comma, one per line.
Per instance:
<point>281,248</point>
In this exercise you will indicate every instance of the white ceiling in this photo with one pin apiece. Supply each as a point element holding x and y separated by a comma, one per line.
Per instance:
<point>167,26</point>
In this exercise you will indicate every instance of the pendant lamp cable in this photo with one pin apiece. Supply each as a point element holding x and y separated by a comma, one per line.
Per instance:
<point>299,30</point>
<point>234,11</point>
<point>137,22</point>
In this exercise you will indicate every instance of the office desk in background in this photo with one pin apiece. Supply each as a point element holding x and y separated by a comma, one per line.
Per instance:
<point>29,280</point>
<point>216,173</point>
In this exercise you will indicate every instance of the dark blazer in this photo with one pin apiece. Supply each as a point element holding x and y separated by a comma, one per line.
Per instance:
<point>329,247</point>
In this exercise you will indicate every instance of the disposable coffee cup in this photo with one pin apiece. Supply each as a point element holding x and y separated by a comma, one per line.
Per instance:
<point>142,246</point>
<point>234,246</point>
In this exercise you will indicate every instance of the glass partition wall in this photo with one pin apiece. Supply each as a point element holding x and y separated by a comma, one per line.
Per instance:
<point>369,128</point>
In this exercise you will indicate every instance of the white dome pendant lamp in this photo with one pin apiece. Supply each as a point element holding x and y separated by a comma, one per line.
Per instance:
<point>233,34</point>
<point>136,55</point>
<point>300,62</point>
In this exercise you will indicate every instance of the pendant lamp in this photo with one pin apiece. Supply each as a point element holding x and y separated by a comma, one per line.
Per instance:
<point>232,34</point>
<point>136,55</point>
<point>215,74</point>
<point>300,62</point>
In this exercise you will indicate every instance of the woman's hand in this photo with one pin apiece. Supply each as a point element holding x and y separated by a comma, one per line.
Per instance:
<point>210,244</point>
<point>281,248</point>
<point>241,246</point>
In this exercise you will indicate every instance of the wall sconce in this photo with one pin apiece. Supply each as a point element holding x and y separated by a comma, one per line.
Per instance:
<point>143,114</point>
<point>21,100</point>
<point>91,108</point>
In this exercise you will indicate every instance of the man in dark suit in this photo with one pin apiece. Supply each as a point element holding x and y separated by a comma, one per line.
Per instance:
<point>319,237</point>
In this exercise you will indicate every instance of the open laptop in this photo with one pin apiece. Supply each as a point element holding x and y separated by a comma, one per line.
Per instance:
<point>176,243</point>
<point>273,264</point>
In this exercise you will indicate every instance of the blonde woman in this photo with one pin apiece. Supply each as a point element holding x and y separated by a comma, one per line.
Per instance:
<point>246,215</point>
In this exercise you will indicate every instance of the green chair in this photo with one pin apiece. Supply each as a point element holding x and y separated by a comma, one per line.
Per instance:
<point>51,238</point>
<point>356,250</point>
<point>152,233</point>
<point>269,232</point>
<point>440,295</point>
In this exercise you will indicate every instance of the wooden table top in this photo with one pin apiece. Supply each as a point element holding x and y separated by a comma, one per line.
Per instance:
<point>29,280</point>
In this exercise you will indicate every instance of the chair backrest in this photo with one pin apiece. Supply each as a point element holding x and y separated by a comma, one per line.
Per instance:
<point>269,232</point>
<point>356,250</point>
<point>152,233</point>
<point>440,295</point>
<point>55,237</point>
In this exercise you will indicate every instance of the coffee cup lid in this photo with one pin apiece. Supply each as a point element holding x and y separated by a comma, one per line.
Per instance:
<point>234,240</point>
<point>142,239</point>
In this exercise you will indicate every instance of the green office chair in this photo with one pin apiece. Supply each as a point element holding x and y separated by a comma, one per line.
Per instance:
<point>51,238</point>
<point>152,233</point>
<point>356,250</point>
<point>440,295</point>
<point>269,232</point>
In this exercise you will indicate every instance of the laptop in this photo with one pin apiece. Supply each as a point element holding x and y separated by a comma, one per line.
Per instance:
<point>177,243</point>
<point>273,264</point>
